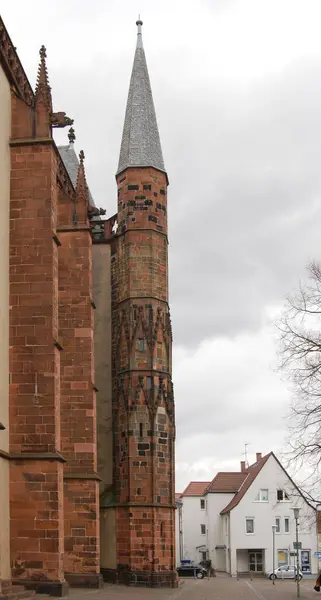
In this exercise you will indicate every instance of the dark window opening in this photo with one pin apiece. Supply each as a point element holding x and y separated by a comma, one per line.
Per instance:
<point>140,429</point>
<point>162,530</point>
<point>140,345</point>
<point>282,495</point>
<point>147,186</point>
<point>133,187</point>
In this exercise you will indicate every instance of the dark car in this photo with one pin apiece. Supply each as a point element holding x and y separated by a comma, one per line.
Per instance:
<point>191,571</point>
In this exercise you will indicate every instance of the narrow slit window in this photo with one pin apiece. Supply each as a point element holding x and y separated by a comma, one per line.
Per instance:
<point>140,344</point>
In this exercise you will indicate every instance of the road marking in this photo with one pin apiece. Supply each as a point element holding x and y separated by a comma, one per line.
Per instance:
<point>306,588</point>
<point>258,594</point>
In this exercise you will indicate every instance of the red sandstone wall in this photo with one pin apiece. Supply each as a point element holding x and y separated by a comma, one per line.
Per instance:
<point>78,406</point>
<point>36,481</point>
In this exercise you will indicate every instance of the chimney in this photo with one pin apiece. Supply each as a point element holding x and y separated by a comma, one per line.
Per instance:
<point>258,456</point>
<point>243,469</point>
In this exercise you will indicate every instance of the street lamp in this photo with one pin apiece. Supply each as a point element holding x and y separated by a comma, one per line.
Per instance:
<point>273,556</point>
<point>296,512</point>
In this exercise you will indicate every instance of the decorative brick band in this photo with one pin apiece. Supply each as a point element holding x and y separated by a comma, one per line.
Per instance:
<point>143,371</point>
<point>93,476</point>
<point>131,298</point>
<point>121,233</point>
<point>32,142</point>
<point>73,229</point>
<point>38,456</point>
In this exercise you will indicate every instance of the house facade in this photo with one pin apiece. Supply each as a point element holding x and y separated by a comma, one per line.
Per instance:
<point>240,510</point>
<point>194,521</point>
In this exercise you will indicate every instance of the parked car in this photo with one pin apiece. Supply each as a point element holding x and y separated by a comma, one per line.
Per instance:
<point>284,572</point>
<point>190,570</point>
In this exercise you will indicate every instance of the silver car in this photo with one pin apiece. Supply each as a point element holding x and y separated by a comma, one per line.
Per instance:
<point>284,572</point>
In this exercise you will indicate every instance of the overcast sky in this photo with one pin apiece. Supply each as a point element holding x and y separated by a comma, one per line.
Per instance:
<point>237,89</point>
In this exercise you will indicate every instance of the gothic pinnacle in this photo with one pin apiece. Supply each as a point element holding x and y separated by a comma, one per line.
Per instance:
<point>42,87</point>
<point>71,135</point>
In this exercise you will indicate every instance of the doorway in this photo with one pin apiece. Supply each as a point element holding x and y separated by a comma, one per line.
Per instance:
<point>256,561</point>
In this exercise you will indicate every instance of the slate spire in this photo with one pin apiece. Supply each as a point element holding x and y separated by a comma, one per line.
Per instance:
<point>140,146</point>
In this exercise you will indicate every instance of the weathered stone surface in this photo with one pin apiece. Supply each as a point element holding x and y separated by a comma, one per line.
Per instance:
<point>143,406</point>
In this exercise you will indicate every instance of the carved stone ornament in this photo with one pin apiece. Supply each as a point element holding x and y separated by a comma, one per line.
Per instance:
<point>13,67</point>
<point>59,119</point>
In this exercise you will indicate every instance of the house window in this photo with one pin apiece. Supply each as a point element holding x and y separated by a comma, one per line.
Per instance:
<point>283,557</point>
<point>204,557</point>
<point>249,525</point>
<point>262,496</point>
<point>286,525</point>
<point>203,529</point>
<point>282,496</point>
<point>277,525</point>
<point>202,501</point>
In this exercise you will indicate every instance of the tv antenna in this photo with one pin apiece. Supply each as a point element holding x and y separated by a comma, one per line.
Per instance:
<point>245,454</point>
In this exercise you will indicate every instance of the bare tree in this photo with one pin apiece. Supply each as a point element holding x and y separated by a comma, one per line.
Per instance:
<point>299,330</point>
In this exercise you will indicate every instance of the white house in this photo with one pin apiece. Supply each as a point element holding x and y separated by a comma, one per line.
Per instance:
<point>194,521</point>
<point>231,521</point>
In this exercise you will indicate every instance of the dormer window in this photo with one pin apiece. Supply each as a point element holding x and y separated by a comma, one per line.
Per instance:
<point>262,496</point>
<point>282,496</point>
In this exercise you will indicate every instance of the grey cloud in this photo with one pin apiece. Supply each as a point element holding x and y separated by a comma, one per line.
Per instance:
<point>243,162</point>
<point>243,159</point>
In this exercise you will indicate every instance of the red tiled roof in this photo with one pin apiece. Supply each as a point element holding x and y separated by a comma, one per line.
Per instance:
<point>226,482</point>
<point>250,475</point>
<point>196,488</point>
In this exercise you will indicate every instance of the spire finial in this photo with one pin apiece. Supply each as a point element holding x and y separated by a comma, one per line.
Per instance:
<point>71,135</point>
<point>42,86</point>
<point>139,32</point>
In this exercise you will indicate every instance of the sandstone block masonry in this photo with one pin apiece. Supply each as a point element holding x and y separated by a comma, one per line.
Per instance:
<point>54,497</point>
<point>143,408</point>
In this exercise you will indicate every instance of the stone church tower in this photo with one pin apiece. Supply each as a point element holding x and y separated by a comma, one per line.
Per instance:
<point>143,407</point>
<point>87,428</point>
